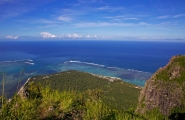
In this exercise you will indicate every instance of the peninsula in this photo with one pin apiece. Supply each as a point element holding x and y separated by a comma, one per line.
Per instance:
<point>75,95</point>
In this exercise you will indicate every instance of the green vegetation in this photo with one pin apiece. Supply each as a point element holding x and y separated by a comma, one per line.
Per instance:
<point>163,97</point>
<point>178,65</point>
<point>155,114</point>
<point>43,103</point>
<point>116,94</point>
<point>74,95</point>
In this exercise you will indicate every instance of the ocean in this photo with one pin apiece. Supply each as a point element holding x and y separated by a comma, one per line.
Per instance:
<point>132,61</point>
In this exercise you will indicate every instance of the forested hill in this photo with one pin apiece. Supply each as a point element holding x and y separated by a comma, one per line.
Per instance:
<point>73,95</point>
<point>113,91</point>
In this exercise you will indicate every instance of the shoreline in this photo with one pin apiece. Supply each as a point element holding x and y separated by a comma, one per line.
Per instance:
<point>21,91</point>
<point>111,79</point>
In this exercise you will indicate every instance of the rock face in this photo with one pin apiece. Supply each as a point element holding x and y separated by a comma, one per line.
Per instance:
<point>165,90</point>
<point>22,90</point>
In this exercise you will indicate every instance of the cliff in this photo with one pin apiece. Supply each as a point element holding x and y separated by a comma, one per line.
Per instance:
<point>165,90</point>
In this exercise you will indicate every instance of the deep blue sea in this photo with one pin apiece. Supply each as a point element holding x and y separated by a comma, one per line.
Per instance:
<point>132,61</point>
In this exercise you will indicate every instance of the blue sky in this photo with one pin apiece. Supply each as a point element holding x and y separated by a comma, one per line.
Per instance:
<point>92,19</point>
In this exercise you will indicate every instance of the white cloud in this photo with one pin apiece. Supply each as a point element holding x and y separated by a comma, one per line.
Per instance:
<point>39,21</point>
<point>131,18</point>
<point>171,16</point>
<point>107,24</point>
<point>163,17</point>
<point>103,8</point>
<point>43,21</point>
<point>91,36</point>
<point>64,18</point>
<point>47,35</point>
<point>73,35</point>
<point>143,24</point>
<point>123,17</point>
<point>11,37</point>
<point>179,15</point>
<point>89,1</point>
<point>110,24</point>
<point>13,8</point>
<point>105,37</point>
<point>88,36</point>
<point>95,24</point>
<point>110,9</point>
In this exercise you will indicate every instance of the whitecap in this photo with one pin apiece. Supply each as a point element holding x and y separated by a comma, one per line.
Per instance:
<point>138,71</point>
<point>72,61</point>
<point>29,63</point>
<point>14,61</point>
<point>75,61</point>
<point>113,68</point>
<point>6,61</point>
<point>66,62</point>
<point>30,60</point>
<point>131,70</point>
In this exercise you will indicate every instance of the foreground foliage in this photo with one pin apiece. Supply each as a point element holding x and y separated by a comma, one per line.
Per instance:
<point>43,103</point>
<point>74,95</point>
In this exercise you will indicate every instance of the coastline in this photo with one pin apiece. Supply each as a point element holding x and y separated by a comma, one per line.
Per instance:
<point>21,91</point>
<point>111,79</point>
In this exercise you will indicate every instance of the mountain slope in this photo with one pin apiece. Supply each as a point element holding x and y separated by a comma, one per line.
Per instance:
<point>113,91</point>
<point>164,92</point>
<point>72,95</point>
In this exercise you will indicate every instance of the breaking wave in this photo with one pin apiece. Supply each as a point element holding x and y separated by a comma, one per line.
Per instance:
<point>27,61</point>
<point>129,75</point>
<point>71,61</point>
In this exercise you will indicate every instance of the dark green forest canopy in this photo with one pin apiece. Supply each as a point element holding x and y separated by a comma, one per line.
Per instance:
<point>116,94</point>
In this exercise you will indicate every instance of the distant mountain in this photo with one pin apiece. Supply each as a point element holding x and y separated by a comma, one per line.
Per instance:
<point>164,92</point>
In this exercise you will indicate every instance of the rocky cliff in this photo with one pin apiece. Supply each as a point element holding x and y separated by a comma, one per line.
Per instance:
<point>165,90</point>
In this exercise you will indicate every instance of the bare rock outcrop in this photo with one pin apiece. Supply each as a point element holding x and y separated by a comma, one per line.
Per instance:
<point>22,91</point>
<point>165,90</point>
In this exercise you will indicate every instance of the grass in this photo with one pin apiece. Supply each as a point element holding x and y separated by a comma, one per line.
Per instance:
<point>178,61</point>
<point>43,103</point>
<point>71,95</point>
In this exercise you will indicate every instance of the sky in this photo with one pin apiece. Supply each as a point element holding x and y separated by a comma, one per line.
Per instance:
<point>92,19</point>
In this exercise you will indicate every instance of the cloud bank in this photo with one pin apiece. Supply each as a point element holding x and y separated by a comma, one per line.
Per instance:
<point>47,35</point>
<point>11,37</point>
<point>74,35</point>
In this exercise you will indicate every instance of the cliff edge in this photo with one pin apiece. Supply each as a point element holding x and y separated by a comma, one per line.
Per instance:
<point>165,90</point>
